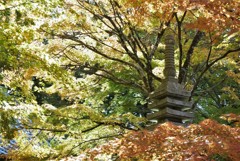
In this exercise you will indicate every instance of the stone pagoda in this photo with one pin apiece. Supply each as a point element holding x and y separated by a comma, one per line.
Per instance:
<point>170,102</point>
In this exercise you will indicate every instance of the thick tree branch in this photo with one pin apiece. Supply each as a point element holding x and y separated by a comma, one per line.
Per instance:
<point>103,43</point>
<point>127,41</point>
<point>179,26</point>
<point>96,15</point>
<point>92,128</point>
<point>133,55</point>
<point>223,56</point>
<point>94,49</point>
<point>44,129</point>
<point>134,41</point>
<point>139,43</point>
<point>130,43</point>
<point>210,50</point>
<point>115,79</point>
<point>117,15</point>
<point>217,98</point>
<point>159,37</point>
<point>208,66</point>
<point>184,69</point>
<point>123,39</point>
<point>97,123</point>
<point>195,41</point>
<point>199,93</point>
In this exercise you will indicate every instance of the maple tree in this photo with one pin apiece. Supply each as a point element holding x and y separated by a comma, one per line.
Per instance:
<point>168,141</point>
<point>124,39</point>
<point>71,68</point>
<point>121,41</point>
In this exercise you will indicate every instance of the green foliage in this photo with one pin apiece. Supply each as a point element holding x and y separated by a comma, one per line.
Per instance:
<point>214,113</point>
<point>95,64</point>
<point>221,94</point>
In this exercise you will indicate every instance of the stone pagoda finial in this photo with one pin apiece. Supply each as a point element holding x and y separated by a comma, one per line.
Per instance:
<point>169,71</point>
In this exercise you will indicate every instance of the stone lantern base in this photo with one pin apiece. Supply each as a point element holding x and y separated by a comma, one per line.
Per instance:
<point>170,103</point>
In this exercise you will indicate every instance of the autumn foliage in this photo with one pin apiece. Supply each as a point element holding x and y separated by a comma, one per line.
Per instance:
<point>76,73</point>
<point>208,140</point>
<point>212,14</point>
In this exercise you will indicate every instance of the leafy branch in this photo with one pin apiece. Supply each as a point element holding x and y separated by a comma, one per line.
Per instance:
<point>185,66</point>
<point>15,6</point>
<point>93,140</point>
<point>208,66</point>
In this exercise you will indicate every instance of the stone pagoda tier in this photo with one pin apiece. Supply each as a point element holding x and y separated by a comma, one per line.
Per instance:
<point>170,102</point>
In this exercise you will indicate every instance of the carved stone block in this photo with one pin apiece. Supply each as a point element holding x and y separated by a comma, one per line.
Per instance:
<point>181,105</point>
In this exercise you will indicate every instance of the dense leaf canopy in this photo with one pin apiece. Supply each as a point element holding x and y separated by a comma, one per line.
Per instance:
<point>76,73</point>
<point>196,142</point>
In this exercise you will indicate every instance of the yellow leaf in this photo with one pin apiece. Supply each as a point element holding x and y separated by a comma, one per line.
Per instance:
<point>126,31</point>
<point>29,73</point>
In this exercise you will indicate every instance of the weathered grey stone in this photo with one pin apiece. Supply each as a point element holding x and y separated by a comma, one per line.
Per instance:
<point>170,88</point>
<point>170,102</point>
<point>169,70</point>
<point>170,113</point>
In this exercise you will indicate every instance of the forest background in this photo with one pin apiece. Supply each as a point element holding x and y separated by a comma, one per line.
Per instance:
<point>75,74</point>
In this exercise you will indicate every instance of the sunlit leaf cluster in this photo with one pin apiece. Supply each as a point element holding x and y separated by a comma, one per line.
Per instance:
<point>168,141</point>
<point>76,73</point>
